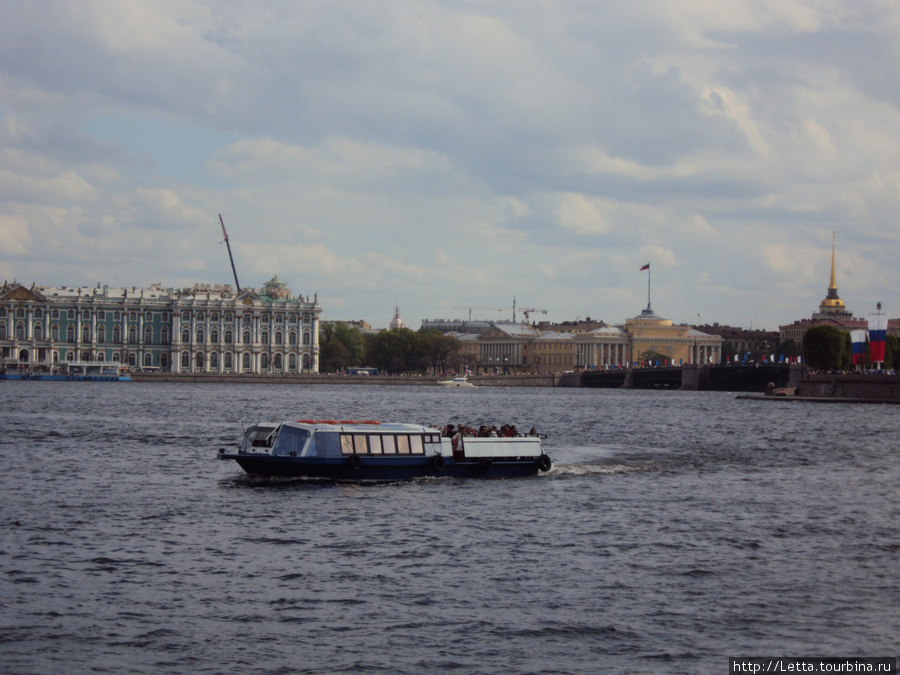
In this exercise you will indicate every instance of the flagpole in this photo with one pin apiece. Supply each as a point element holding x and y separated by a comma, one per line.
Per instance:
<point>648,286</point>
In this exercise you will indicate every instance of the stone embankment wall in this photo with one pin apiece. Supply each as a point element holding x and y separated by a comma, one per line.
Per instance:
<point>841,385</point>
<point>543,380</point>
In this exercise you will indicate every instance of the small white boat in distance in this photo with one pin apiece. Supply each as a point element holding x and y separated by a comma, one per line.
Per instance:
<point>456,382</point>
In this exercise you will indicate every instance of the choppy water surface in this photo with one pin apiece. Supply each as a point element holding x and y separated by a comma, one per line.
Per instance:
<point>676,529</point>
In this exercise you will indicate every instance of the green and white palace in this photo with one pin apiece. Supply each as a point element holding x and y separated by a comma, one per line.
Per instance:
<point>205,329</point>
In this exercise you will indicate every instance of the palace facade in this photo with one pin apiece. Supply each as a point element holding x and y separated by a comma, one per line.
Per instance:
<point>204,329</point>
<point>507,347</point>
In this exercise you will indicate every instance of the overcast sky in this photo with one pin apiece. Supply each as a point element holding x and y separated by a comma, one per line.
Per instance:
<point>445,155</point>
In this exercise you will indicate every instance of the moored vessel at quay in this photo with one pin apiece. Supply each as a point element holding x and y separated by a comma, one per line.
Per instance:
<point>367,450</point>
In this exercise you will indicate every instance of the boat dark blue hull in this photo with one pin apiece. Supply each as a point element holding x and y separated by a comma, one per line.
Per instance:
<point>380,468</point>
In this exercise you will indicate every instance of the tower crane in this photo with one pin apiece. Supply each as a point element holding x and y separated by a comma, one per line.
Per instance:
<point>532,310</point>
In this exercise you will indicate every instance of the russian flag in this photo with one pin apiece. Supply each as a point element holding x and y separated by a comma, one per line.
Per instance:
<point>877,336</point>
<point>645,267</point>
<point>858,339</point>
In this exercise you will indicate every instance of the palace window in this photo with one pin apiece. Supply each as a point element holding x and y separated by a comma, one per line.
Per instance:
<point>70,333</point>
<point>132,335</point>
<point>186,335</point>
<point>279,338</point>
<point>101,315</point>
<point>265,318</point>
<point>70,356</point>
<point>71,314</point>
<point>292,362</point>
<point>164,335</point>
<point>292,338</point>
<point>148,360</point>
<point>101,334</point>
<point>116,357</point>
<point>148,335</point>
<point>214,317</point>
<point>214,336</point>
<point>277,363</point>
<point>132,316</point>
<point>264,338</point>
<point>245,362</point>
<point>246,337</point>
<point>54,314</point>
<point>38,332</point>
<point>229,337</point>
<point>38,313</point>
<point>185,316</point>
<point>200,335</point>
<point>117,315</point>
<point>86,333</point>
<point>201,316</point>
<point>279,318</point>
<point>264,361</point>
<point>306,337</point>
<point>214,360</point>
<point>2,330</point>
<point>185,360</point>
<point>228,361</point>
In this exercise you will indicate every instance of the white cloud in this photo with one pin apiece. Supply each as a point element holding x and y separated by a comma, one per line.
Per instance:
<point>443,153</point>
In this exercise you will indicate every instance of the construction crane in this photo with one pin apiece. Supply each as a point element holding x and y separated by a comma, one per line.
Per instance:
<point>532,310</point>
<point>493,309</point>
<point>233,270</point>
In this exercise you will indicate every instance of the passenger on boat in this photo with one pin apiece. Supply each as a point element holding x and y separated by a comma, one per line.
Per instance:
<point>533,432</point>
<point>449,431</point>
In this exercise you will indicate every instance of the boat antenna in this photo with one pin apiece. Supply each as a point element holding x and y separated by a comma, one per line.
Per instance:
<point>230,257</point>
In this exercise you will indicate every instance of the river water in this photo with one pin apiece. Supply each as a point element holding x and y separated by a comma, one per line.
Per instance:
<point>676,529</point>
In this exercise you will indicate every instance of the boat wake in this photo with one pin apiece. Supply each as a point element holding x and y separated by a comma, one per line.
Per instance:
<point>596,469</point>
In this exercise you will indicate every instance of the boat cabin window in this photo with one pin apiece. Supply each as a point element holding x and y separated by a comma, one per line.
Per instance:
<point>386,444</point>
<point>290,440</point>
<point>257,436</point>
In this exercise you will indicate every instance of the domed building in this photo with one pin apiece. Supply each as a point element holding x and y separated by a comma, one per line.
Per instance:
<point>396,322</point>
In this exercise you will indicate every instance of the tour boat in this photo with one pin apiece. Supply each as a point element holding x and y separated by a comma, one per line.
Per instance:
<point>366,450</point>
<point>80,371</point>
<point>456,382</point>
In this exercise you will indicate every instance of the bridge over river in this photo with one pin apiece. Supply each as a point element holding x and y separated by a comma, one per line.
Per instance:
<point>740,377</point>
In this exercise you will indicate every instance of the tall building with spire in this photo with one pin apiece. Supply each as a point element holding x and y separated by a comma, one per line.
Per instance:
<point>832,306</point>
<point>832,312</point>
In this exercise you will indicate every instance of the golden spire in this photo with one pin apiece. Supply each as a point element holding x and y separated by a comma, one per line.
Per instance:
<point>833,284</point>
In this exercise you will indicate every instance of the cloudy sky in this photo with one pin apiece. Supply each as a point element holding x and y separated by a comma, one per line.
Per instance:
<point>452,154</point>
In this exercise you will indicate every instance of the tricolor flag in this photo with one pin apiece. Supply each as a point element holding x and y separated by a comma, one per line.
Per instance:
<point>858,339</point>
<point>645,267</point>
<point>877,336</point>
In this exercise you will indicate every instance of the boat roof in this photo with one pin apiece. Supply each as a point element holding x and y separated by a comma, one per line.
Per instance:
<point>368,426</point>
